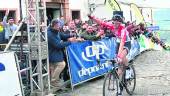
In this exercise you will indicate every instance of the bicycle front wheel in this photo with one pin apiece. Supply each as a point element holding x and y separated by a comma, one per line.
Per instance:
<point>110,85</point>
<point>130,81</point>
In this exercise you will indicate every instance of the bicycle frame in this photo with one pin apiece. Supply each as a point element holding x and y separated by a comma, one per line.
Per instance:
<point>114,72</point>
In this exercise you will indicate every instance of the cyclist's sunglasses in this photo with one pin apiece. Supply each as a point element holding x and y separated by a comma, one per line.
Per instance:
<point>117,18</point>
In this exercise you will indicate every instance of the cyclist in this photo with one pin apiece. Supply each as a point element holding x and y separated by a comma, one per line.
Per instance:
<point>122,37</point>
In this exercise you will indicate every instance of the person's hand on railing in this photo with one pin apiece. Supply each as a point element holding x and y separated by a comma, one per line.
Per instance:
<point>100,33</point>
<point>72,39</point>
<point>80,39</point>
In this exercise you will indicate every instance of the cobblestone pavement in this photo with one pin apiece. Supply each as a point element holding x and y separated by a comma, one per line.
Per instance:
<point>153,77</point>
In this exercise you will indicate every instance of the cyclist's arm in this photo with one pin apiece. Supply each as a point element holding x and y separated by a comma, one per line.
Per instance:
<point>102,23</point>
<point>122,42</point>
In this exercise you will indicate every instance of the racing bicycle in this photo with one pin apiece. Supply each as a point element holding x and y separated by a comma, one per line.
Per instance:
<point>114,84</point>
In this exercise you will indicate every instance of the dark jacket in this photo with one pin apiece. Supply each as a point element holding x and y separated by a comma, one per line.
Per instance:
<point>57,41</point>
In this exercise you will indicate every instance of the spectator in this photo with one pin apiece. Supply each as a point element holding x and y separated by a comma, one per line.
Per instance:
<point>2,33</point>
<point>95,28</point>
<point>57,41</point>
<point>109,33</point>
<point>131,28</point>
<point>61,21</point>
<point>65,74</point>
<point>90,34</point>
<point>73,29</point>
<point>66,29</point>
<point>10,27</point>
<point>77,23</point>
<point>83,28</point>
<point>127,23</point>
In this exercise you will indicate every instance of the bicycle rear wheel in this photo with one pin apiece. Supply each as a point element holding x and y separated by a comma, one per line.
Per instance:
<point>110,85</point>
<point>130,82</point>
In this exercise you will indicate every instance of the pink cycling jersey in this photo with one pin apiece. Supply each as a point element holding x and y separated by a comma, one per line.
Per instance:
<point>121,33</point>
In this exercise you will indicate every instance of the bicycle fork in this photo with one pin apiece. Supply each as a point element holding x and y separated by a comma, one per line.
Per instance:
<point>121,82</point>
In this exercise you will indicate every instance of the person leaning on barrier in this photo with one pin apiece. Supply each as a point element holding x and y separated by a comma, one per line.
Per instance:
<point>57,41</point>
<point>72,29</point>
<point>134,30</point>
<point>90,34</point>
<point>109,33</point>
<point>65,29</point>
<point>83,28</point>
<point>65,73</point>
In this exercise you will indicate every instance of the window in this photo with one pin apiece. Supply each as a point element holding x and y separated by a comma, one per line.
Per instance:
<point>2,13</point>
<point>11,14</point>
<point>75,15</point>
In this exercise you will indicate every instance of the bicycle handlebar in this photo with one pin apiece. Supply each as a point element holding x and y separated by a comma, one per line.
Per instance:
<point>113,61</point>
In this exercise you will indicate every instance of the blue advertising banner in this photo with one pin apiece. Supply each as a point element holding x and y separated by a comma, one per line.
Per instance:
<point>83,57</point>
<point>135,49</point>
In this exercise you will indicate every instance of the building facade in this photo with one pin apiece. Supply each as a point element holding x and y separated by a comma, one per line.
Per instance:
<point>13,6</point>
<point>80,9</point>
<point>57,8</point>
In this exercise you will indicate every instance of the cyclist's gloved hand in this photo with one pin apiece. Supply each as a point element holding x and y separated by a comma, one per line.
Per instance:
<point>119,60</point>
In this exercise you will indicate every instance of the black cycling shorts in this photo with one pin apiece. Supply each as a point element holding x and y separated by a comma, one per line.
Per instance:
<point>127,46</point>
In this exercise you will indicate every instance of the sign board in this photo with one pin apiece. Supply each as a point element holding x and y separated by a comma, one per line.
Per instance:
<point>9,79</point>
<point>83,59</point>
